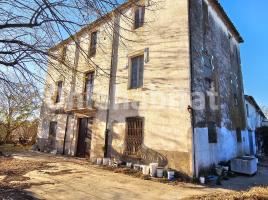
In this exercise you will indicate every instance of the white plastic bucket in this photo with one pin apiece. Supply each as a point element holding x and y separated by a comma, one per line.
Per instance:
<point>136,167</point>
<point>129,164</point>
<point>202,180</point>
<point>170,175</point>
<point>106,161</point>
<point>160,172</point>
<point>110,162</point>
<point>153,167</point>
<point>145,169</point>
<point>99,161</point>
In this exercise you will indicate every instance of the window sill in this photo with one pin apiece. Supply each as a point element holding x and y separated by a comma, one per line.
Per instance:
<point>136,89</point>
<point>138,28</point>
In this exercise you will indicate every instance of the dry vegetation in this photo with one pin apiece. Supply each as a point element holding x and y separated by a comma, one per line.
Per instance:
<point>256,193</point>
<point>12,177</point>
<point>10,148</point>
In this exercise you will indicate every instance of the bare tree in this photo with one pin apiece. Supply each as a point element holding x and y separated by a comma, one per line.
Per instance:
<point>28,28</point>
<point>18,105</point>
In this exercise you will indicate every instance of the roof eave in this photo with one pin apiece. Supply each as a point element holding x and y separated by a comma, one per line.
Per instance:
<point>229,23</point>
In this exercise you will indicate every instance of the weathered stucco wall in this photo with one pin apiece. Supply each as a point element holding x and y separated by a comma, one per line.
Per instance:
<point>216,65</point>
<point>164,96</point>
<point>162,100</point>
<point>73,76</point>
<point>254,119</point>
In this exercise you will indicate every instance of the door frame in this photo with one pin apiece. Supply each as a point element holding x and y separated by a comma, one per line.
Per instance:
<point>77,134</point>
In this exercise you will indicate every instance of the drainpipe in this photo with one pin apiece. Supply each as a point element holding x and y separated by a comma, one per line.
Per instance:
<point>190,109</point>
<point>65,134</point>
<point>106,145</point>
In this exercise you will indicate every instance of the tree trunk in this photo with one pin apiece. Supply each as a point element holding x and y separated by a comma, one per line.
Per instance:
<point>7,138</point>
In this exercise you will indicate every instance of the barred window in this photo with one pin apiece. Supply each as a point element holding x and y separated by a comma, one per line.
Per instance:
<point>134,135</point>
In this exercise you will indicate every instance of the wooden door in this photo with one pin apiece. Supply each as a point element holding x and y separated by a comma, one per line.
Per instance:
<point>84,137</point>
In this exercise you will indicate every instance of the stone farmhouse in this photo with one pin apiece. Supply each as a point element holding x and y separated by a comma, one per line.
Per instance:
<point>151,81</point>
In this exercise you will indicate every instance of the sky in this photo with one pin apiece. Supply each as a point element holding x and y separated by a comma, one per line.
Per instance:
<point>251,19</point>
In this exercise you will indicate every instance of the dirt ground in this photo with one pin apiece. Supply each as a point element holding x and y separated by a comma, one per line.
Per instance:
<point>31,175</point>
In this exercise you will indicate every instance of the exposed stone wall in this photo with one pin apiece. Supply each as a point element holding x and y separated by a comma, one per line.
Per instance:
<point>216,65</point>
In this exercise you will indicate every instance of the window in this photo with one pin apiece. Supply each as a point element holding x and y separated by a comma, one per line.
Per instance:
<point>93,44</point>
<point>134,135</point>
<point>136,72</point>
<point>139,17</point>
<point>238,135</point>
<point>59,91</point>
<point>52,134</point>
<point>52,129</point>
<point>88,90</point>
<point>212,132</point>
<point>247,110</point>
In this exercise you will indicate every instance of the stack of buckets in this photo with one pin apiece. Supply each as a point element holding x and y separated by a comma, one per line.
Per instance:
<point>156,171</point>
<point>151,169</point>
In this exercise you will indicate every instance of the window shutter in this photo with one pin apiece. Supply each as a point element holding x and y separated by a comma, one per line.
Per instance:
<point>142,12</point>
<point>137,18</point>
<point>141,66</point>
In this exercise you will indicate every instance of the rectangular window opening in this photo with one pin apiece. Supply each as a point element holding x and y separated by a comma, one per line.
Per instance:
<point>64,52</point>
<point>134,135</point>
<point>139,17</point>
<point>88,89</point>
<point>212,132</point>
<point>59,91</point>
<point>136,72</point>
<point>239,135</point>
<point>93,44</point>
